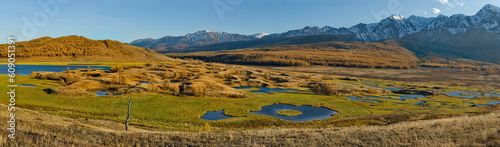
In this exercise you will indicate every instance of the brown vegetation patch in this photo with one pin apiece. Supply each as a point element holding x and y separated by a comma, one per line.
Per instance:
<point>343,89</point>
<point>209,88</point>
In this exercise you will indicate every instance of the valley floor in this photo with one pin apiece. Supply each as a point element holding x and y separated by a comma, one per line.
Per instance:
<point>43,129</point>
<point>51,120</point>
<point>443,76</point>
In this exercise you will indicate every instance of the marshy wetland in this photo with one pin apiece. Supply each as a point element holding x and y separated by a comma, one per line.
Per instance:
<point>209,96</point>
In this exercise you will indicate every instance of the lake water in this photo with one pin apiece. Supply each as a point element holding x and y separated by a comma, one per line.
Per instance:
<point>28,69</point>
<point>215,115</point>
<point>493,102</point>
<point>106,93</point>
<point>265,90</point>
<point>470,94</point>
<point>308,112</point>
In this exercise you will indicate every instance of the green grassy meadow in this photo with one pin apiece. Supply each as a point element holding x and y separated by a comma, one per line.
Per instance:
<point>165,111</point>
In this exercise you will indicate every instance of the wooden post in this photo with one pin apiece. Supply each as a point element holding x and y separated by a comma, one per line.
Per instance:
<point>127,121</point>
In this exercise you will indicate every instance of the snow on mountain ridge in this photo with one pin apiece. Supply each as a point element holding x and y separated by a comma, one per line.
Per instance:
<point>396,26</point>
<point>393,27</point>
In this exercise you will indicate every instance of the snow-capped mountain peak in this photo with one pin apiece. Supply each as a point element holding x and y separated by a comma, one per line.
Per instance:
<point>397,17</point>
<point>259,35</point>
<point>489,11</point>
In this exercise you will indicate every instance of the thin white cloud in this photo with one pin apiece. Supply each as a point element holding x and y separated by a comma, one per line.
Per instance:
<point>425,12</point>
<point>455,3</point>
<point>443,1</point>
<point>436,10</point>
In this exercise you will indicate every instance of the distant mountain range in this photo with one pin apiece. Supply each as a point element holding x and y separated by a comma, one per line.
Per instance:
<point>393,27</point>
<point>478,36</point>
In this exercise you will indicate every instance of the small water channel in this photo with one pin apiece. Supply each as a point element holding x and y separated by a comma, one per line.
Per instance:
<point>265,90</point>
<point>471,94</point>
<point>27,85</point>
<point>106,93</point>
<point>215,115</point>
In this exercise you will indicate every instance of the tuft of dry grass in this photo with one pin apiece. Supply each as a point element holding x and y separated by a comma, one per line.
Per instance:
<point>344,89</point>
<point>206,87</point>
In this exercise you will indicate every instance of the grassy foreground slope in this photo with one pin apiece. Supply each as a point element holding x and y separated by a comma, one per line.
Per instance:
<point>42,129</point>
<point>81,49</point>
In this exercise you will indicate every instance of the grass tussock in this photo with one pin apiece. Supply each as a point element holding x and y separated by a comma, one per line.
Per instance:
<point>344,89</point>
<point>289,112</point>
<point>210,88</point>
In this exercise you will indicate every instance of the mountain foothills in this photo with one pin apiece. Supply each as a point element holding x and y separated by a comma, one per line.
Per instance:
<point>199,38</point>
<point>78,48</point>
<point>471,37</point>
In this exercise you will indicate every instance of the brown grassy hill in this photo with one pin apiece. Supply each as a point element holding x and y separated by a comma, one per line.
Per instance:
<point>78,48</point>
<point>42,129</point>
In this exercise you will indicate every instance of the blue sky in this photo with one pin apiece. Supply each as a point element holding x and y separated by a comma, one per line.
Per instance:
<point>127,20</point>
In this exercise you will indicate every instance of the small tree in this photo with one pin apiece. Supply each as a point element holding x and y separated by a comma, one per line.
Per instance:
<point>127,121</point>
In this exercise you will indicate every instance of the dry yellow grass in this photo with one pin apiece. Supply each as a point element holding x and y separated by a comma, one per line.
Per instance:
<point>81,49</point>
<point>42,129</point>
<point>344,89</point>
